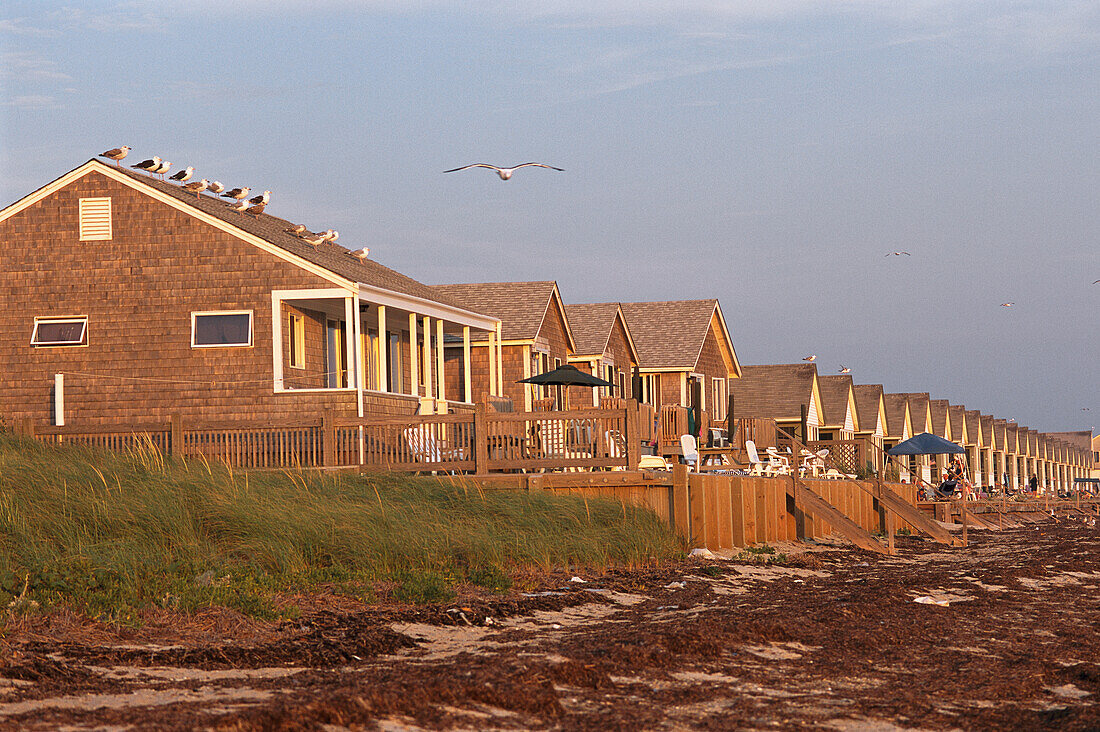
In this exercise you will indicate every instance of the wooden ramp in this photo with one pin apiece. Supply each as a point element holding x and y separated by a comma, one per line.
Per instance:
<point>809,501</point>
<point>914,516</point>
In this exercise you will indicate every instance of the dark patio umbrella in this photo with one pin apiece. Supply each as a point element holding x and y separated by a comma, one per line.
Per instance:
<point>567,375</point>
<point>925,444</point>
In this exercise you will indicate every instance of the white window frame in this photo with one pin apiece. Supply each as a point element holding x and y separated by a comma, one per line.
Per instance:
<point>201,313</point>
<point>718,394</point>
<point>83,319</point>
<point>297,359</point>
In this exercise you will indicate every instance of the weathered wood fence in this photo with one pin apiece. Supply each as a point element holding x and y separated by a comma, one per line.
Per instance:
<point>479,442</point>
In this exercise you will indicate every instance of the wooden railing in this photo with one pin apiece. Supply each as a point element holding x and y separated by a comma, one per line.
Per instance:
<point>760,431</point>
<point>479,442</point>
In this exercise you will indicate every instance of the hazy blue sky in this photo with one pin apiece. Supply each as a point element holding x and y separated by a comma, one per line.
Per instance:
<point>767,156</point>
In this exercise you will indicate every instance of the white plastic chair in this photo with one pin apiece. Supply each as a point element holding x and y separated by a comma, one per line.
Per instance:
<point>653,462</point>
<point>690,450</point>
<point>757,466</point>
<point>778,463</point>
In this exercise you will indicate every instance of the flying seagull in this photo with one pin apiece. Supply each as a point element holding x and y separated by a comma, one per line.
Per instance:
<point>1097,282</point>
<point>844,369</point>
<point>117,154</point>
<point>239,206</point>
<point>261,199</point>
<point>811,358</point>
<point>237,193</point>
<point>197,186</point>
<point>898,254</point>
<point>184,175</point>
<point>148,165</point>
<point>504,173</point>
<point>1007,304</point>
<point>361,253</point>
<point>216,187</point>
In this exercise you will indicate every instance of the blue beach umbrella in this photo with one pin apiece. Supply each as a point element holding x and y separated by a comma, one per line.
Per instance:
<point>925,444</point>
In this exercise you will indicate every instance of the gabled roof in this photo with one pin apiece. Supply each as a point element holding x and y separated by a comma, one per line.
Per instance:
<point>939,417</point>
<point>592,325</point>
<point>1000,427</point>
<point>776,391</point>
<point>956,414</point>
<point>1081,439</point>
<point>669,335</point>
<point>869,399</point>
<point>897,414</point>
<point>836,395</point>
<point>521,306</point>
<point>271,230</point>
<point>918,410</point>
<point>974,432</point>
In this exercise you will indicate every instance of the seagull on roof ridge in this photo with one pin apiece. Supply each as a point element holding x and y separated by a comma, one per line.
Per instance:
<point>239,206</point>
<point>184,175</point>
<point>256,209</point>
<point>161,169</point>
<point>148,165</point>
<point>117,154</point>
<point>296,230</point>
<point>315,240</point>
<point>361,253</point>
<point>811,358</point>
<point>504,173</point>
<point>237,193</point>
<point>197,186</point>
<point>331,235</point>
<point>264,198</point>
<point>217,187</point>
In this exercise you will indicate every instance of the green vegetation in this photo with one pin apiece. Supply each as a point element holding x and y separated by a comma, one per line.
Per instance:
<point>109,534</point>
<point>763,554</point>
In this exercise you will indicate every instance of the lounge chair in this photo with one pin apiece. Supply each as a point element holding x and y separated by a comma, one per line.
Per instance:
<point>690,450</point>
<point>757,467</point>
<point>653,462</point>
<point>779,463</point>
<point>812,462</point>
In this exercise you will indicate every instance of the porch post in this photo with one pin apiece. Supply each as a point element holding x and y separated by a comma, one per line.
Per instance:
<point>427,356</point>
<point>492,353</point>
<point>500,361</point>
<point>383,344</point>
<point>414,357</point>
<point>277,341</point>
<point>355,342</point>
<point>527,375</point>
<point>467,382</point>
<point>439,359</point>
<point>351,317</point>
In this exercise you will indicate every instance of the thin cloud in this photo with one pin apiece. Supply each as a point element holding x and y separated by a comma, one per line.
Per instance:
<point>29,66</point>
<point>33,101</point>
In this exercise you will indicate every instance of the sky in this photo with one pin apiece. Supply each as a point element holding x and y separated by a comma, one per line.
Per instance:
<point>770,154</point>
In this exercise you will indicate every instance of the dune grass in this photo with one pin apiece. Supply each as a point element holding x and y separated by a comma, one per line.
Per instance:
<point>109,534</point>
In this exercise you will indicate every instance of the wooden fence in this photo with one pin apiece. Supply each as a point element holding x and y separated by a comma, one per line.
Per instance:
<point>480,442</point>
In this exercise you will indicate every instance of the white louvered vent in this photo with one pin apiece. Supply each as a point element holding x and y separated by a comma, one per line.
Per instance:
<point>95,219</point>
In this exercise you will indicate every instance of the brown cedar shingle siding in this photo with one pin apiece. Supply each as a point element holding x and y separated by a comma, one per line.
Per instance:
<point>139,290</point>
<point>669,334</point>
<point>777,391</point>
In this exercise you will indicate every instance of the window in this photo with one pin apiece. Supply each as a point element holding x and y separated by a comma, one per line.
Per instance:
<point>95,219</point>
<point>221,329</point>
<point>60,331</point>
<point>297,341</point>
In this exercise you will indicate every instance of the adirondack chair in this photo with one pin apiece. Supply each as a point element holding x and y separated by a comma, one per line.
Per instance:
<point>424,448</point>
<point>757,467</point>
<point>779,463</point>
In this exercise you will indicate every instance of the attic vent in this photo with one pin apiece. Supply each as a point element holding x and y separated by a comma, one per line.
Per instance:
<point>95,219</point>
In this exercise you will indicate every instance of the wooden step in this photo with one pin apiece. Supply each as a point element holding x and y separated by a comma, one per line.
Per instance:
<point>810,502</point>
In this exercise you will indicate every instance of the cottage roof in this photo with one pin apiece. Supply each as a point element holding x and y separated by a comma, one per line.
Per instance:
<point>671,334</point>
<point>939,416</point>
<point>520,306</point>
<point>777,391</point>
<point>1081,439</point>
<point>956,413</point>
<point>330,256</point>
<point>835,390</point>
<point>896,404</point>
<point>918,410</point>
<point>592,325</point>
<point>868,398</point>
<point>1000,427</point>
<point>973,427</point>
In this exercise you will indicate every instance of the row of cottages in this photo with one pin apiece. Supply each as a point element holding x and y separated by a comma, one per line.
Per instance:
<point>830,410</point>
<point>125,299</point>
<point>661,353</point>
